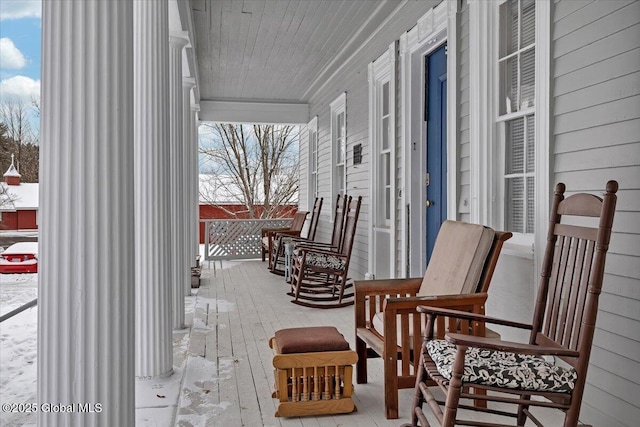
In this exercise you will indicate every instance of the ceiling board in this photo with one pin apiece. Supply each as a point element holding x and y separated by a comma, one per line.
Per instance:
<point>275,49</point>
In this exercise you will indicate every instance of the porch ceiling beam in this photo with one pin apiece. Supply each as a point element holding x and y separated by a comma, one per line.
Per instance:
<point>238,111</point>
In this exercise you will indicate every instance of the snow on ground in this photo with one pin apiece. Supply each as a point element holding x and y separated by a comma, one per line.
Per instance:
<point>18,346</point>
<point>156,400</point>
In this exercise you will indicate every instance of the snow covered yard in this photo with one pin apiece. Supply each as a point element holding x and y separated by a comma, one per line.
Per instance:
<point>18,346</point>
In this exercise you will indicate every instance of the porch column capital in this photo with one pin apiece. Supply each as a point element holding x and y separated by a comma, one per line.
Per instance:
<point>86,267</point>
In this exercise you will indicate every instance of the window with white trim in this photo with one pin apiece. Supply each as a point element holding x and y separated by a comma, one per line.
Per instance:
<point>384,153</point>
<point>339,145</point>
<point>516,107</point>
<point>312,129</point>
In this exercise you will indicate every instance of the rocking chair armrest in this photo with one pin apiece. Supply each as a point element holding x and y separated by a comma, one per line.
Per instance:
<point>266,231</point>
<point>312,245</point>
<point>451,301</point>
<point>388,286</point>
<point>509,346</point>
<point>287,233</point>
<point>471,316</point>
<point>309,249</point>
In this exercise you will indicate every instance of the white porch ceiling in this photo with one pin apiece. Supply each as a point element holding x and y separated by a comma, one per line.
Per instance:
<point>276,53</point>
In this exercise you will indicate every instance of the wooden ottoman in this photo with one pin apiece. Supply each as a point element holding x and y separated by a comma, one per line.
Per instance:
<point>313,371</point>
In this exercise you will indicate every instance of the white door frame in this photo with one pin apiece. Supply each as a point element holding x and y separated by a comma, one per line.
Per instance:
<point>435,28</point>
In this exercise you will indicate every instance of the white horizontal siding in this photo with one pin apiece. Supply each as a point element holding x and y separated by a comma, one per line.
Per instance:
<point>596,131</point>
<point>464,158</point>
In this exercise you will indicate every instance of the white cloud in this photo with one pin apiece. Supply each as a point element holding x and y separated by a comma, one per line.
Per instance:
<point>20,87</point>
<point>10,55</point>
<point>16,9</point>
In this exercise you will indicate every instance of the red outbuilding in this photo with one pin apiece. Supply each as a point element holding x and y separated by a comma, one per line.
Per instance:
<point>18,202</point>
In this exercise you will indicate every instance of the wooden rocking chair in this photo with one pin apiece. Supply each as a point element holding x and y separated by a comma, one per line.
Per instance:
<point>276,260</point>
<point>562,329</point>
<point>268,234</point>
<point>458,276</point>
<point>319,276</point>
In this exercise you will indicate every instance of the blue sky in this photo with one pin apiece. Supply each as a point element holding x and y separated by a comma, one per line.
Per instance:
<point>20,45</point>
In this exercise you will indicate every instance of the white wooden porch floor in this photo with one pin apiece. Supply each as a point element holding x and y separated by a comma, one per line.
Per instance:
<point>222,362</point>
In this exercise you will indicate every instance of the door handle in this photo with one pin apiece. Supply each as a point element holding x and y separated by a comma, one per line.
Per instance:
<point>429,203</point>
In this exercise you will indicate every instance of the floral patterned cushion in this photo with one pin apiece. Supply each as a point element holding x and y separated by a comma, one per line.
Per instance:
<point>322,260</point>
<point>503,369</point>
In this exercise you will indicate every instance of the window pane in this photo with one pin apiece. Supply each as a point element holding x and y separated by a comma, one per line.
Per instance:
<point>528,78</point>
<point>385,99</point>
<point>387,203</point>
<point>509,27</point>
<point>386,168</point>
<point>514,205</point>
<point>514,144</point>
<point>531,144</point>
<point>530,205</point>
<point>339,125</point>
<point>385,133</point>
<point>340,179</point>
<point>509,86</point>
<point>313,141</point>
<point>528,35</point>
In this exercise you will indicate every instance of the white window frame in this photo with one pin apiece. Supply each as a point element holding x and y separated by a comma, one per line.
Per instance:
<point>337,107</point>
<point>382,72</point>
<point>312,137</point>
<point>487,159</point>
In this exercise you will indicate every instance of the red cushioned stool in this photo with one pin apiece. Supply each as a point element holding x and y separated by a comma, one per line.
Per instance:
<point>313,371</point>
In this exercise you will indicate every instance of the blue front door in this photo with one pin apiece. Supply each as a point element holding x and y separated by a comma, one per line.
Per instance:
<point>436,117</point>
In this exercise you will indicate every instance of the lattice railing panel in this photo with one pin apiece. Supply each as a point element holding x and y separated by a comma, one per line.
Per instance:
<point>237,238</point>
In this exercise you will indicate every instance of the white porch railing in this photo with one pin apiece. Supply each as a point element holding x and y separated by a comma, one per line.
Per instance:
<point>236,238</point>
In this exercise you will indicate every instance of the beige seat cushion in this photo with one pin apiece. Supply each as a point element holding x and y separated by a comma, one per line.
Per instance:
<point>378,326</point>
<point>457,259</point>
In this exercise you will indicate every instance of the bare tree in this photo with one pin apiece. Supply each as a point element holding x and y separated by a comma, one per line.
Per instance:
<point>6,198</point>
<point>35,105</point>
<point>18,138</point>
<point>255,165</point>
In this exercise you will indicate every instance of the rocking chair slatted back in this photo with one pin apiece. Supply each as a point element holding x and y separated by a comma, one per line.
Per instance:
<point>351,220</point>
<point>338,221</point>
<point>298,221</point>
<point>572,271</point>
<point>315,218</point>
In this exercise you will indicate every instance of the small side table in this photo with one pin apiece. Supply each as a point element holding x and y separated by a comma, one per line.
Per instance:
<point>288,254</point>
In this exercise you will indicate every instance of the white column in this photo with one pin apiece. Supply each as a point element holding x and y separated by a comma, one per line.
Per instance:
<point>195,179</point>
<point>154,338</point>
<point>187,145</point>
<point>177,263</point>
<point>86,287</point>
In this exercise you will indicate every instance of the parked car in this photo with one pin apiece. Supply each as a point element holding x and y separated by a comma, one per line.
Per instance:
<point>21,257</point>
